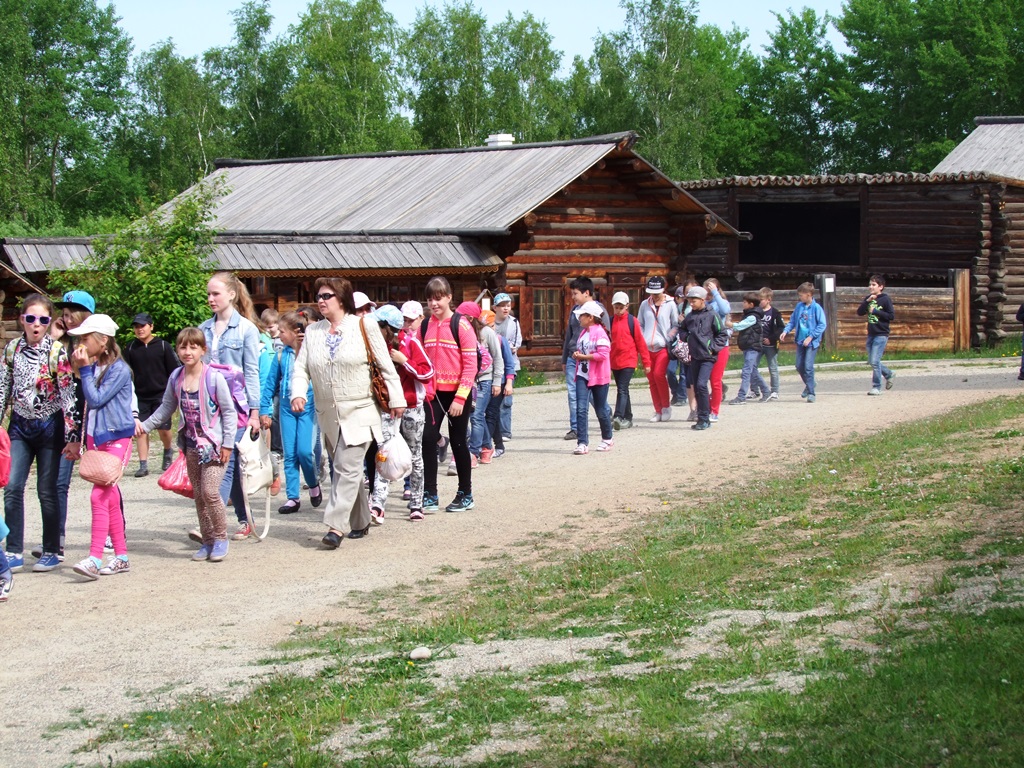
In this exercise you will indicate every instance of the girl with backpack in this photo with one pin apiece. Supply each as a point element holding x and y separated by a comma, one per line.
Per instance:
<point>451,347</point>
<point>108,425</point>
<point>37,383</point>
<point>233,339</point>
<point>206,435</point>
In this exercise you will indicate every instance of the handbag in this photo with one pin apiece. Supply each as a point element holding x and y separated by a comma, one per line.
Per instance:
<point>175,478</point>
<point>100,468</point>
<point>257,474</point>
<point>378,386</point>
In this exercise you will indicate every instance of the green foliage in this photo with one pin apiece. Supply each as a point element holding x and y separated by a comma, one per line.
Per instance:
<point>159,264</point>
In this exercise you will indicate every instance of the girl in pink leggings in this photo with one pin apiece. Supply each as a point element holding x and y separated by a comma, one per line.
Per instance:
<point>109,426</point>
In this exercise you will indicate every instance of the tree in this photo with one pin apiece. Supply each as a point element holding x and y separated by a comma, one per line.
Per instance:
<point>179,123</point>
<point>62,83</point>
<point>347,93</point>
<point>526,97</point>
<point>921,71</point>
<point>445,59</point>
<point>253,77</point>
<point>793,95</point>
<point>673,81</point>
<point>159,264</point>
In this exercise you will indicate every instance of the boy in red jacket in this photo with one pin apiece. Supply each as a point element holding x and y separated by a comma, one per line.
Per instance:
<point>628,346</point>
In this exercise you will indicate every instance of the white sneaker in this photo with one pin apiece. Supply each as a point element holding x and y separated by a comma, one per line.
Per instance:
<point>875,391</point>
<point>773,396</point>
<point>452,470</point>
<point>666,414</point>
<point>655,417</point>
<point>713,417</point>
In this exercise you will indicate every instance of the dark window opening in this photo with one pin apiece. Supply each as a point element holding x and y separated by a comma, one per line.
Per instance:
<point>800,233</point>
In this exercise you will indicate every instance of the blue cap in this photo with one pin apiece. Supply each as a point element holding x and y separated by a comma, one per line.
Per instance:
<point>501,298</point>
<point>77,299</point>
<point>389,314</point>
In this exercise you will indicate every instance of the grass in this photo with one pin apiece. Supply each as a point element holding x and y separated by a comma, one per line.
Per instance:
<point>867,608</point>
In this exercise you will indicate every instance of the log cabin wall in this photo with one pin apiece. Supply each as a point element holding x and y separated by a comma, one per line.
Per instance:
<point>913,233</point>
<point>602,226</point>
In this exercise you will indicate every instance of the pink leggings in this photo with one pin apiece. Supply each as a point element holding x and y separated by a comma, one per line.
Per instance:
<point>107,512</point>
<point>716,379</point>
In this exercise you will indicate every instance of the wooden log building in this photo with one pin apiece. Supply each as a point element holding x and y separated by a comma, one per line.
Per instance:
<point>524,219</point>
<point>914,228</point>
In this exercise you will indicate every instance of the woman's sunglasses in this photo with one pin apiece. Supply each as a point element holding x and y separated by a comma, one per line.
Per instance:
<point>43,319</point>
<point>325,296</point>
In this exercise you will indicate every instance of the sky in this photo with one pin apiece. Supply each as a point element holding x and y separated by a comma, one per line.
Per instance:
<point>198,25</point>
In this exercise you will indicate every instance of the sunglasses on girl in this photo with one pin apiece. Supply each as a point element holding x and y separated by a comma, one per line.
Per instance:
<point>325,296</point>
<point>43,319</point>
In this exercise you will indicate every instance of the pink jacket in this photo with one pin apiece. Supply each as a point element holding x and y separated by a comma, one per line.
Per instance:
<point>594,341</point>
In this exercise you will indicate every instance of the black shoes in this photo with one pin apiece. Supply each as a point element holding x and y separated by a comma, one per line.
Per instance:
<point>358,533</point>
<point>141,472</point>
<point>332,540</point>
<point>701,425</point>
<point>317,500</point>
<point>289,507</point>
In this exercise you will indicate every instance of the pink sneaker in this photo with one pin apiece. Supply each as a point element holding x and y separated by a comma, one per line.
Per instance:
<point>486,454</point>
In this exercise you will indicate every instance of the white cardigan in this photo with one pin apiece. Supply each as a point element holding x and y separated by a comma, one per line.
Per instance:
<point>341,387</point>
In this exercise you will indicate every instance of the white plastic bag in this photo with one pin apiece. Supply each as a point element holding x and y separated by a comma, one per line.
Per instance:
<point>394,459</point>
<point>254,461</point>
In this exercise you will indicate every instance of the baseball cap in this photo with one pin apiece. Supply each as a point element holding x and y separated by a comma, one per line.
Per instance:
<point>95,324</point>
<point>412,310</point>
<point>621,297</point>
<point>360,299</point>
<point>680,291</point>
<point>696,293</point>
<point>389,314</point>
<point>656,284</point>
<point>78,299</point>
<point>143,318</point>
<point>501,298</point>
<point>487,317</point>
<point>589,308</point>
<point>469,309</point>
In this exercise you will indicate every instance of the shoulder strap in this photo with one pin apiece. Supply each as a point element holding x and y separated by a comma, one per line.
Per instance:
<point>632,324</point>
<point>455,326</point>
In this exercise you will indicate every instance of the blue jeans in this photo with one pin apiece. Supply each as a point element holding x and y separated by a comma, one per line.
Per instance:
<point>47,459</point>
<point>506,416</point>
<point>479,435</point>
<point>494,411</point>
<point>677,379</point>
<point>876,348</point>
<point>699,377</point>
<point>231,485</point>
<point>773,366</point>
<point>64,473</point>
<point>599,394</point>
<point>570,385</point>
<point>805,365</point>
<point>750,374</point>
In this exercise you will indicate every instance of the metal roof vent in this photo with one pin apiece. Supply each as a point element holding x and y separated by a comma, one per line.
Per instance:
<point>500,140</point>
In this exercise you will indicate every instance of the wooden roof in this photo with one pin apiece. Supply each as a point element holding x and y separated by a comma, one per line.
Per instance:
<point>846,179</point>
<point>471,192</point>
<point>292,256</point>
<point>995,146</point>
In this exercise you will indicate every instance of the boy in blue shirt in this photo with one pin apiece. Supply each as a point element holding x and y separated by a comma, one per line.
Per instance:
<point>808,319</point>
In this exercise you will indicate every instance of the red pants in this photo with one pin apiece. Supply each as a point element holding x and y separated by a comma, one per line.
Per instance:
<point>658,380</point>
<point>716,380</point>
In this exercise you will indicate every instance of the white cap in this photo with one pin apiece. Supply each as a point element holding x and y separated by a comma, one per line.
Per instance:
<point>95,324</point>
<point>360,299</point>
<point>589,308</point>
<point>621,297</point>
<point>412,309</point>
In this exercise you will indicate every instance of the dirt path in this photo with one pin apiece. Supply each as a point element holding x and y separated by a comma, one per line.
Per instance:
<point>77,650</point>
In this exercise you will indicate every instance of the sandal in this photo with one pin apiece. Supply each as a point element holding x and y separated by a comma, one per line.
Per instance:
<point>606,445</point>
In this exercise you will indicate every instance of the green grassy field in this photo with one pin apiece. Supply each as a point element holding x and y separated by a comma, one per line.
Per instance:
<point>863,609</point>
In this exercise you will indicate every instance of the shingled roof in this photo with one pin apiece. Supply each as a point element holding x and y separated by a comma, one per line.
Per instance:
<point>995,147</point>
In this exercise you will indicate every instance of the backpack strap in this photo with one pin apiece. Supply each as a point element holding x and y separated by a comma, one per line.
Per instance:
<point>632,325</point>
<point>453,323</point>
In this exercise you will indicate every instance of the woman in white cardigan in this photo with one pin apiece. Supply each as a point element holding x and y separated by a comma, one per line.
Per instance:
<point>333,358</point>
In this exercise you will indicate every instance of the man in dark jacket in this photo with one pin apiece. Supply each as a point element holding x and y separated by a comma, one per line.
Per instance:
<point>704,333</point>
<point>878,307</point>
<point>152,360</point>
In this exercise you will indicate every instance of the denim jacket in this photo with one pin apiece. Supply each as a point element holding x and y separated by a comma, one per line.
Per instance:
<point>279,382</point>
<point>238,346</point>
<point>108,404</point>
